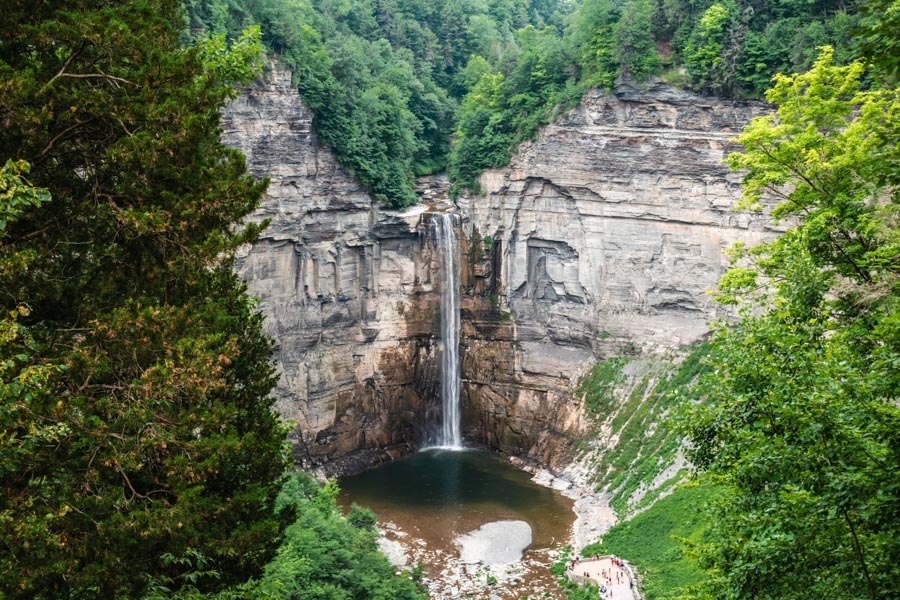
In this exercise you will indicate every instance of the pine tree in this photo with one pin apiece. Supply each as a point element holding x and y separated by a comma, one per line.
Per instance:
<point>146,452</point>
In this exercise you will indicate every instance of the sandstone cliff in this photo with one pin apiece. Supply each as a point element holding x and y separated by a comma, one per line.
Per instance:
<point>346,288</point>
<point>605,233</point>
<point>602,237</point>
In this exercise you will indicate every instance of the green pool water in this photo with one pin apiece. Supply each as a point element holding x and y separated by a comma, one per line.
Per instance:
<point>437,494</point>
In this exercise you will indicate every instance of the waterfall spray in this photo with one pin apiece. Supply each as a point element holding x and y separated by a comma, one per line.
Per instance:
<point>445,237</point>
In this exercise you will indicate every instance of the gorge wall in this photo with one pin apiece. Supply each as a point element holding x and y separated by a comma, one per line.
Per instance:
<point>601,238</point>
<point>347,289</point>
<point>604,235</point>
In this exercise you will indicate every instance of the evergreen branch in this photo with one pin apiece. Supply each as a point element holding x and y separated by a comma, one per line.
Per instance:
<point>114,81</point>
<point>135,493</point>
<point>62,133</point>
<point>65,66</point>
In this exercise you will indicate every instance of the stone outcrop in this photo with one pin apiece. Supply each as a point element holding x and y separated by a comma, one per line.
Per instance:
<point>604,235</point>
<point>346,288</point>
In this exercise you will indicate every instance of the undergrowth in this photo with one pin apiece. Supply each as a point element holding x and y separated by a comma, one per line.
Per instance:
<point>636,410</point>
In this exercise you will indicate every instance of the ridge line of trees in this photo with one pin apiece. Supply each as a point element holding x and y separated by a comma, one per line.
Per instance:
<point>401,88</point>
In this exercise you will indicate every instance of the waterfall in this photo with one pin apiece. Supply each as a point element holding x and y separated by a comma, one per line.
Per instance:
<point>445,237</point>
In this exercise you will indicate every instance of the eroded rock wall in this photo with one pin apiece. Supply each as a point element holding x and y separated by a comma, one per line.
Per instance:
<point>602,237</point>
<point>346,287</point>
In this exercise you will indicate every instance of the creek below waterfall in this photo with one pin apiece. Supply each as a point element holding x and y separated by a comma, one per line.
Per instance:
<point>426,501</point>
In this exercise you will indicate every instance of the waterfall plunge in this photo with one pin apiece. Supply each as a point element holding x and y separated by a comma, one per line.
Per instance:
<point>445,237</point>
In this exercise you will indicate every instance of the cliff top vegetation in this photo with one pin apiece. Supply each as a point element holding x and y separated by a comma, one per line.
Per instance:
<point>401,88</point>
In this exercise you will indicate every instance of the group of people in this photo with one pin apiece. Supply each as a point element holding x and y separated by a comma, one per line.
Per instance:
<point>615,575</point>
<point>606,578</point>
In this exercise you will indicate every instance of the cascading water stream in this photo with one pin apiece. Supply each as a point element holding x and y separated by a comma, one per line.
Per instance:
<point>445,236</point>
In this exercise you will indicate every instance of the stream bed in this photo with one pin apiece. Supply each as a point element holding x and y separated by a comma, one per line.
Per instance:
<point>472,519</point>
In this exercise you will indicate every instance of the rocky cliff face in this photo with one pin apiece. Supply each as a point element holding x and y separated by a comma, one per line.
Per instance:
<point>345,286</point>
<point>603,236</point>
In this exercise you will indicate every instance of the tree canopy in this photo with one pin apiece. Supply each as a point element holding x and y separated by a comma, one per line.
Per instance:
<point>138,443</point>
<point>382,77</point>
<point>800,419</point>
<point>388,80</point>
<point>327,556</point>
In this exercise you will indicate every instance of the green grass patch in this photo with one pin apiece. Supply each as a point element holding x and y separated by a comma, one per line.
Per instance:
<point>599,386</point>
<point>640,406</point>
<point>650,541</point>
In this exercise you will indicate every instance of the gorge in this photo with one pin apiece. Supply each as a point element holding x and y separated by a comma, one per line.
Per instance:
<point>479,259</point>
<point>601,238</point>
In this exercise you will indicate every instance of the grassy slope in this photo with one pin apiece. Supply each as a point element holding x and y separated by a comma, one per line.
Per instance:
<point>637,408</point>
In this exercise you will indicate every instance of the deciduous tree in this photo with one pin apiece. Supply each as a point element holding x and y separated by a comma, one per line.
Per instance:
<point>801,423</point>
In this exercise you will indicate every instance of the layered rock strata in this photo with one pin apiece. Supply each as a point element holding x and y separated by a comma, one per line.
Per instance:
<point>601,237</point>
<point>346,287</point>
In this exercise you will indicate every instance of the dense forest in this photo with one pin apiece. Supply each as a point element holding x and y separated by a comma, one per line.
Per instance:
<point>391,82</point>
<point>139,453</point>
